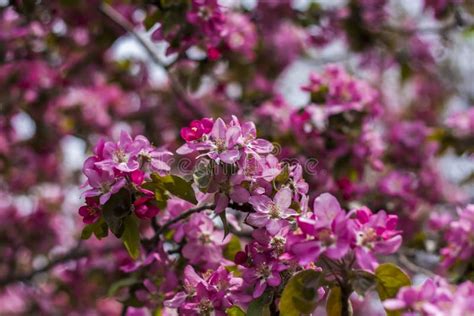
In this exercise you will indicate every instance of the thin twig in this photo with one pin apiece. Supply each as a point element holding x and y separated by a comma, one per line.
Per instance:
<point>73,255</point>
<point>412,266</point>
<point>178,218</point>
<point>175,86</point>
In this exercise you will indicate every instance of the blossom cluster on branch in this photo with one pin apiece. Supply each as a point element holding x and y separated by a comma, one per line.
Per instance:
<point>214,157</point>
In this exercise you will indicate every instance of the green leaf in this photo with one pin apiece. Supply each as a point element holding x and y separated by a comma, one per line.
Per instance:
<point>132,301</point>
<point>232,248</point>
<point>131,236</point>
<point>300,295</point>
<point>202,175</point>
<point>234,311</point>
<point>363,281</point>
<point>115,210</point>
<point>390,279</point>
<point>284,175</point>
<point>225,225</point>
<point>177,186</point>
<point>333,305</point>
<point>121,284</point>
<point>87,231</point>
<point>99,228</point>
<point>260,306</point>
<point>319,96</point>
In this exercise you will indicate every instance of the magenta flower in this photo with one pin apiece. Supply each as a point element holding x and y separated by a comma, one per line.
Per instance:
<point>104,183</point>
<point>219,145</point>
<point>324,232</point>
<point>144,209</point>
<point>223,142</point>
<point>435,297</point>
<point>459,238</point>
<point>248,138</point>
<point>122,156</point>
<point>204,243</point>
<point>270,213</point>
<point>150,157</point>
<point>211,294</point>
<point>207,15</point>
<point>91,211</point>
<point>263,273</point>
<point>197,129</point>
<point>374,234</point>
<point>236,192</point>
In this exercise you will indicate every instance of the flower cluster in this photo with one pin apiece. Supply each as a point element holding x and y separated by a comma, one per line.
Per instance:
<point>434,297</point>
<point>210,294</point>
<point>209,26</point>
<point>459,238</point>
<point>462,123</point>
<point>331,232</point>
<point>116,165</point>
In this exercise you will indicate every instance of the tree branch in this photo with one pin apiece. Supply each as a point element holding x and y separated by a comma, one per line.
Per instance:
<point>175,86</point>
<point>72,255</point>
<point>178,218</point>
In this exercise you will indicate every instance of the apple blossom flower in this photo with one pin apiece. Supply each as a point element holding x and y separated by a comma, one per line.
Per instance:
<point>262,273</point>
<point>91,211</point>
<point>374,234</point>
<point>324,231</point>
<point>270,213</point>
<point>203,242</point>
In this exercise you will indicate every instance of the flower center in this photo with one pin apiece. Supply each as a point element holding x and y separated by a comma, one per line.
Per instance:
<point>326,237</point>
<point>278,244</point>
<point>274,211</point>
<point>205,307</point>
<point>92,211</point>
<point>104,187</point>
<point>220,144</point>
<point>120,156</point>
<point>367,238</point>
<point>205,13</point>
<point>205,238</point>
<point>264,271</point>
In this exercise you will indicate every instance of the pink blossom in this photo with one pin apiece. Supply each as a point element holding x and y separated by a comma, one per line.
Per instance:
<point>262,273</point>
<point>91,211</point>
<point>270,213</point>
<point>325,232</point>
<point>196,129</point>
<point>203,242</point>
<point>374,234</point>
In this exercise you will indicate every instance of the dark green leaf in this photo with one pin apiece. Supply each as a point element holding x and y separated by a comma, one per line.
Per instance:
<point>131,236</point>
<point>87,231</point>
<point>133,301</point>
<point>224,223</point>
<point>260,306</point>
<point>99,228</point>
<point>177,186</point>
<point>115,210</point>
<point>300,295</point>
